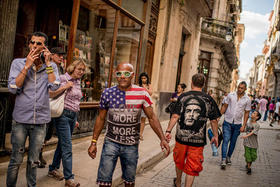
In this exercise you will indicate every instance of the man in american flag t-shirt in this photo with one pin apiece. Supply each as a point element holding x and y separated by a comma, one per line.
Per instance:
<point>122,105</point>
<point>124,112</point>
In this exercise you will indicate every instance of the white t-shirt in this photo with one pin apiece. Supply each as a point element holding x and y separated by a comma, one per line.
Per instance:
<point>277,107</point>
<point>235,110</point>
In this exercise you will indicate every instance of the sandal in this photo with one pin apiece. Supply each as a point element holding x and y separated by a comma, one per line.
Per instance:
<point>174,182</point>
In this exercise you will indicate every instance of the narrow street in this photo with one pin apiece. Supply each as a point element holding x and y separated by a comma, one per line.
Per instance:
<point>265,171</point>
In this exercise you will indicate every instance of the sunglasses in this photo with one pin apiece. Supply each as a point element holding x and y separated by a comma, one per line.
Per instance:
<point>124,73</point>
<point>38,43</point>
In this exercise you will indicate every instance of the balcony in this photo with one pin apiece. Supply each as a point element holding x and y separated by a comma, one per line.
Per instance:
<point>221,32</point>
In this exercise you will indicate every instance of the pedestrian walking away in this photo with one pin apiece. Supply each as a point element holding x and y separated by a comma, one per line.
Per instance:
<point>192,110</point>
<point>30,79</point>
<point>57,58</point>
<point>251,140</point>
<point>276,113</point>
<point>144,81</point>
<point>262,107</point>
<point>124,104</point>
<point>65,124</point>
<point>271,108</point>
<point>237,106</point>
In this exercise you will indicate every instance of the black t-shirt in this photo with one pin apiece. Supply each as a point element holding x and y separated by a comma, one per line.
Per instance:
<point>254,104</point>
<point>194,108</point>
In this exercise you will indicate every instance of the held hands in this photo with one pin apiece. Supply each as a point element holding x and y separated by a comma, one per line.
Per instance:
<point>214,140</point>
<point>92,150</point>
<point>165,147</point>
<point>168,136</point>
<point>242,129</point>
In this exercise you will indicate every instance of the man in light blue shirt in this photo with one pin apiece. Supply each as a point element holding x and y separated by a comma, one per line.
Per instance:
<point>30,79</point>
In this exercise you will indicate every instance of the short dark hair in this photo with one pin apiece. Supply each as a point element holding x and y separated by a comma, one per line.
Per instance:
<point>40,34</point>
<point>198,80</point>
<point>259,115</point>
<point>183,86</point>
<point>244,83</point>
<point>144,74</point>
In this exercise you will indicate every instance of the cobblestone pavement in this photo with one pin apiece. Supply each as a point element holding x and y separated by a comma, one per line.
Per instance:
<point>265,171</point>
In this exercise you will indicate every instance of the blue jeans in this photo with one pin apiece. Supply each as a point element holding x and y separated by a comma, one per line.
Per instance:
<point>19,134</point>
<point>128,156</point>
<point>230,133</point>
<point>64,128</point>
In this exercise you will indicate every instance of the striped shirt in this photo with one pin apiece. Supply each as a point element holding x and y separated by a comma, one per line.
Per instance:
<point>124,113</point>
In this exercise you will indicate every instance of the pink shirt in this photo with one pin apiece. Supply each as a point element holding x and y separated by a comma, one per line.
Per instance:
<point>271,106</point>
<point>263,103</point>
<point>73,95</point>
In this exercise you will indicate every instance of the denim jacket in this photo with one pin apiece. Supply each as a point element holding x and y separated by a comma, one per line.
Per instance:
<point>32,99</point>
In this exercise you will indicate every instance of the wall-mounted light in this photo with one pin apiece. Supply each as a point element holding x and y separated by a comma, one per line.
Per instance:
<point>229,35</point>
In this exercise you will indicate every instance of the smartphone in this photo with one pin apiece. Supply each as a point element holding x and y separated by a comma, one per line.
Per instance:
<point>42,57</point>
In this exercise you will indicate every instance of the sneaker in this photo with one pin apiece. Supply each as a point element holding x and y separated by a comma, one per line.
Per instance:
<point>56,174</point>
<point>271,125</point>
<point>223,164</point>
<point>228,161</point>
<point>71,183</point>
<point>249,171</point>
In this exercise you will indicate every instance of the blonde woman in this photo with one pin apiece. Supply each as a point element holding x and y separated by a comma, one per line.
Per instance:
<point>70,83</point>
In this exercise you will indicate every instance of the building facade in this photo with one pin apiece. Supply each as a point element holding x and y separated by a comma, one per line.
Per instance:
<point>272,55</point>
<point>101,32</point>
<point>177,48</point>
<point>219,47</point>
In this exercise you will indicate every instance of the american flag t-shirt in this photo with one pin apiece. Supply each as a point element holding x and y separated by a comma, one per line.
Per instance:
<point>124,113</point>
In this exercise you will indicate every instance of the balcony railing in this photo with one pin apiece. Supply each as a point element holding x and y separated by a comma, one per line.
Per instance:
<point>217,28</point>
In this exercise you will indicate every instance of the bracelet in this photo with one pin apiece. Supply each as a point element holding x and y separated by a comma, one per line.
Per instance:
<point>49,68</point>
<point>94,141</point>
<point>49,71</point>
<point>168,131</point>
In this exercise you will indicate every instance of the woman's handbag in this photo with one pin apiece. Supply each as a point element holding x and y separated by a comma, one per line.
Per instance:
<point>57,105</point>
<point>170,108</point>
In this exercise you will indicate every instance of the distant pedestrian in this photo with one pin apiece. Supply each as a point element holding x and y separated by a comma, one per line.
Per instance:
<point>123,104</point>
<point>144,81</point>
<point>56,57</point>
<point>192,110</point>
<point>30,79</point>
<point>180,89</point>
<point>251,140</point>
<point>65,124</point>
<point>237,106</point>
<point>271,109</point>
<point>254,104</point>
<point>262,107</point>
<point>276,113</point>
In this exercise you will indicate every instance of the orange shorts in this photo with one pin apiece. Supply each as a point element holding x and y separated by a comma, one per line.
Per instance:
<point>188,159</point>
